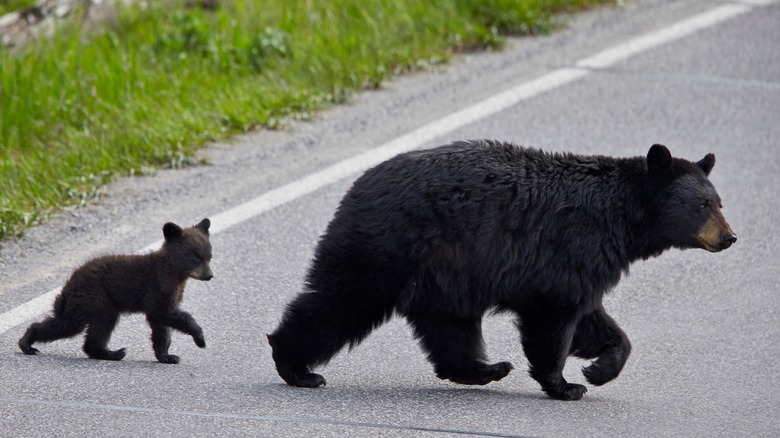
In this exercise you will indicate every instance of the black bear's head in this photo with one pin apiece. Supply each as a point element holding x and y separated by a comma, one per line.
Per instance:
<point>188,250</point>
<point>688,209</point>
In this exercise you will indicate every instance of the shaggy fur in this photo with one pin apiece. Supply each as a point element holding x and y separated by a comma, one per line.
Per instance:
<point>443,236</point>
<point>104,287</point>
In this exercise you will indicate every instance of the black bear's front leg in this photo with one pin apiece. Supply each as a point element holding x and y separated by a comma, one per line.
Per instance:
<point>598,335</point>
<point>546,332</point>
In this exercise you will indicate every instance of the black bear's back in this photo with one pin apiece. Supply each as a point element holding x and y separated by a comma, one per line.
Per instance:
<point>466,222</point>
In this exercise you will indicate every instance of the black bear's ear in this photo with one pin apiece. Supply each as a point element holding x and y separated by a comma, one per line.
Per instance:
<point>204,225</point>
<point>707,163</point>
<point>171,231</point>
<point>659,160</point>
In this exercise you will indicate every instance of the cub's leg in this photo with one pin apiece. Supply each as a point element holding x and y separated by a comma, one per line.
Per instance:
<point>50,329</point>
<point>598,336</point>
<point>456,348</point>
<point>161,341</point>
<point>181,321</point>
<point>98,334</point>
<point>546,331</point>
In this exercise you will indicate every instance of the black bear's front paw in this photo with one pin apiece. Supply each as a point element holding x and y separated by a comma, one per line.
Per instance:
<point>168,358</point>
<point>571,391</point>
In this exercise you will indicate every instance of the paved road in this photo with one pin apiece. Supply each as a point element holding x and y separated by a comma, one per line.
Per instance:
<point>705,327</point>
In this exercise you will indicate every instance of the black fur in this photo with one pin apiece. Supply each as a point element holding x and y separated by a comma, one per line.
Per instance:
<point>443,236</point>
<point>104,287</point>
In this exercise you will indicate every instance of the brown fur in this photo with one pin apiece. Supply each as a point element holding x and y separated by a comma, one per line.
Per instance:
<point>153,284</point>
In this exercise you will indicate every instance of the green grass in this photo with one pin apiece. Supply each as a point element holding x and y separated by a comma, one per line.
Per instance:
<point>147,92</point>
<point>7,6</point>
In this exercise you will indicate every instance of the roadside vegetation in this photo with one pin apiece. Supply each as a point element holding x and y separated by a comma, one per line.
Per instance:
<point>145,92</point>
<point>7,6</point>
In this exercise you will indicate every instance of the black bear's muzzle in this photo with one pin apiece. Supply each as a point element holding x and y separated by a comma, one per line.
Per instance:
<point>728,239</point>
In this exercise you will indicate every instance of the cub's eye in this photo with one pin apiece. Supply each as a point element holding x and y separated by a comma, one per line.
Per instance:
<point>705,204</point>
<point>196,258</point>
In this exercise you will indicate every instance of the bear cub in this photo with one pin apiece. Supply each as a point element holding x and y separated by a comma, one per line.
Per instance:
<point>445,235</point>
<point>104,287</point>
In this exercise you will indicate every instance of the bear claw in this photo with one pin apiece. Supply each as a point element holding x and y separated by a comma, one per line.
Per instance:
<point>168,358</point>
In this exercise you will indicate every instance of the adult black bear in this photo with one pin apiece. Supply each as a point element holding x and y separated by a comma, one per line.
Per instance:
<point>442,236</point>
<point>104,287</point>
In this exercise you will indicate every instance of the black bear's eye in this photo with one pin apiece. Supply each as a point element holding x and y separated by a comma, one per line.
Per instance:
<point>196,258</point>
<point>705,204</point>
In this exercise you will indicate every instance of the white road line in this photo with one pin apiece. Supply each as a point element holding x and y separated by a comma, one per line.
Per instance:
<point>415,139</point>
<point>681,29</point>
<point>259,418</point>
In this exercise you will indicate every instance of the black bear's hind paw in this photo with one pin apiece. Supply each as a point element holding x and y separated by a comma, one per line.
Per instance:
<point>168,358</point>
<point>305,380</point>
<point>27,348</point>
<point>572,391</point>
<point>104,354</point>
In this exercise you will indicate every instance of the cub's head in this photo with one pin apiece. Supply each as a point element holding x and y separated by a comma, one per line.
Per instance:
<point>189,250</point>
<point>688,209</point>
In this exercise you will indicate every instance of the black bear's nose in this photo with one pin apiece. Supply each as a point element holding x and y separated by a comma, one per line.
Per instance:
<point>729,238</point>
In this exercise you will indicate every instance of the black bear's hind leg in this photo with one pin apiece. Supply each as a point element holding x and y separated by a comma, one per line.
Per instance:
<point>294,374</point>
<point>98,335</point>
<point>50,329</point>
<point>546,332</point>
<point>161,341</point>
<point>456,349</point>
<point>599,336</point>
<point>317,325</point>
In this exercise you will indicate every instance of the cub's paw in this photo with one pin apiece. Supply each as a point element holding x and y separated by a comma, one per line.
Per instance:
<point>199,341</point>
<point>115,355</point>
<point>168,358</point>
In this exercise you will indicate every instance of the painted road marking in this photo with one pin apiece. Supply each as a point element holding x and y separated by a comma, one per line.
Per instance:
<point>416,138</point>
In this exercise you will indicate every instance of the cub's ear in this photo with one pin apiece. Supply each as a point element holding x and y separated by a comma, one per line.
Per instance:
<point>204,225</point>
<point>707,163</point>
<point>659,160</point>
<point>171,231</point>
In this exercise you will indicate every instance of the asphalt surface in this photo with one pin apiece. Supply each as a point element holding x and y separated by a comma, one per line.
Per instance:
<point>705,327</point>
